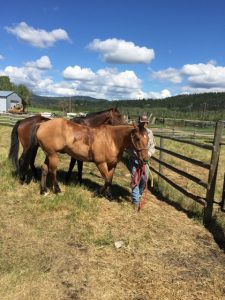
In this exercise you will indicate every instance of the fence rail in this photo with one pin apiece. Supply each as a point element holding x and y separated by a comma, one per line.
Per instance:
<point>212,168</point>
<point>11,119</point>
<point>186,158</point>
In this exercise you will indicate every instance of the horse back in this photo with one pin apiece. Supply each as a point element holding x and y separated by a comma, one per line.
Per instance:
<point>51,134</point>
<point>25,128</point>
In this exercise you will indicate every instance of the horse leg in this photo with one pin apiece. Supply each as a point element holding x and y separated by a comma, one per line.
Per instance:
<point>107,175</point>
<point>72,164</point>
<point>53,164</point>
<point>22,172</point>
<point>108,183</point>
<point>44,173</point>
<point>34,170</point>
<point>80,169</point>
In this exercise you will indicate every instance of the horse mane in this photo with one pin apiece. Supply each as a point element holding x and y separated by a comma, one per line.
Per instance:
<point>92,114</point>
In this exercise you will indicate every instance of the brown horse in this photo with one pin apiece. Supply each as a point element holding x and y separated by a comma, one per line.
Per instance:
<point>22,132</point>
<point>110,116</point>
<point>102,145</point>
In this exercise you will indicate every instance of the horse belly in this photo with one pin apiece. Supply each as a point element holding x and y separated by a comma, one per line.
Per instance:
<point>104,152</point>
<point>79,151</point>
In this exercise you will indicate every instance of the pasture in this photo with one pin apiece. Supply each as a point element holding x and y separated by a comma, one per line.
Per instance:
<point>64,246</point>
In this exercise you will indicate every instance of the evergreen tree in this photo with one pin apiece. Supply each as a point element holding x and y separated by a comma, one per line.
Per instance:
<point>24,94</point>
<point>5,84</point>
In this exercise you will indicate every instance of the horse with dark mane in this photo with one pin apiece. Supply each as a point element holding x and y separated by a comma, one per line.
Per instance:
<point>103,145</point>
<point>21,132</point>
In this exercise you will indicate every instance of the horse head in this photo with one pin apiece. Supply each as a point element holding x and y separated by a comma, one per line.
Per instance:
<point>115,117</point>
<point>139,138</point>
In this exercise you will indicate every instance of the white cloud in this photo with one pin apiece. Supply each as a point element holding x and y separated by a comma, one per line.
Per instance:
<point>111,77</point>
<point>23,75</point>
<point>39,38</point>
<point>170,74</point>
<point>206,76</point>
<point>106,83</point>
<point>58,89</point>
<point>42,63</point>
<point>121,52</point>
<point>77,73</point>
<point>1,57</point>
<point>157,95</point>
<point>32,74</point>
<point>198,78</point>
<point>109,84</point>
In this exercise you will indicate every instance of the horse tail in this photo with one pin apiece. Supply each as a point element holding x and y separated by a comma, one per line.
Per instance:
<point>14,146</point>
<point>26,158</point>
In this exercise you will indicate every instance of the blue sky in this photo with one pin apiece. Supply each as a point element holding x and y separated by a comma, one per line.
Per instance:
<point>114,49</point>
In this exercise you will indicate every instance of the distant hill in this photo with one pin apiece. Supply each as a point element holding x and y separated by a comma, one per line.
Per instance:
<point>37,98</point>
<point>209,106</point>
<point>211,101</point>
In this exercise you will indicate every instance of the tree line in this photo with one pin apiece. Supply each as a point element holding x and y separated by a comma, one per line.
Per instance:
<point>207,106</point>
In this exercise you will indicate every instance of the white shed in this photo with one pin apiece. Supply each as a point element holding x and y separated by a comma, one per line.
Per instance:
<point>9,100</point>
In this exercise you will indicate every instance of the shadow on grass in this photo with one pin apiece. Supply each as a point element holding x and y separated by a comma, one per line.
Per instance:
<point>119,194</point>
<point>214,227</point>
<point>217,231</point>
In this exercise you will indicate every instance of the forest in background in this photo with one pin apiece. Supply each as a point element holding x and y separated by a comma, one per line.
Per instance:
<point>206,106</point>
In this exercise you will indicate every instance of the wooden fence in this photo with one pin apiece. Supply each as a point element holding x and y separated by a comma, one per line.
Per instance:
<point>11,119</point>
<point>212,168</point>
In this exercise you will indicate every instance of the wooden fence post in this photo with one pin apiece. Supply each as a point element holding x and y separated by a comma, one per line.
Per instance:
<point>161,158</point>
<point>208,209</point>
<point>223,196</point>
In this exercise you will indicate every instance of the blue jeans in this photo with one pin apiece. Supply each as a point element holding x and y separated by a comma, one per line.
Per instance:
<point>137,189</point>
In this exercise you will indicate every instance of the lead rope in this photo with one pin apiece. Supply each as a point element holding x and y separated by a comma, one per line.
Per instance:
<point>145,194</point>
<point>140,170</point>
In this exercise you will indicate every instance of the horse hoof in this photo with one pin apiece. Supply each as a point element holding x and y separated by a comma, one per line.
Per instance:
<point>97,194</point>
<point>57,191</point>
<point>109,197</point>
<point>44,192</point>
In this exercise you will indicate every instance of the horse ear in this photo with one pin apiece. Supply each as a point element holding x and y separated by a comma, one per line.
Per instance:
<point>134,125</point>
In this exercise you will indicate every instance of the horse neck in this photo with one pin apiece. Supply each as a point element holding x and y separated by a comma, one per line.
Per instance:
<point>122,135</point>
<point>97,120</point>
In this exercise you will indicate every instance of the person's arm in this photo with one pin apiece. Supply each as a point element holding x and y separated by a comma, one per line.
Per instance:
<point>151,143</point>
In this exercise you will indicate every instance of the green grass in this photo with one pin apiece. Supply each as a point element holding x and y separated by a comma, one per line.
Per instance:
<point>32,109</point>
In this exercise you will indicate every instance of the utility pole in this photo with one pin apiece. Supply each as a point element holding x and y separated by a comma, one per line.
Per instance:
<point>70,104</point>
<point>204,111</point>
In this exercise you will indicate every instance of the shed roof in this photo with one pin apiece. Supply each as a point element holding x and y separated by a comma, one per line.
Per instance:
<point>6,93</point>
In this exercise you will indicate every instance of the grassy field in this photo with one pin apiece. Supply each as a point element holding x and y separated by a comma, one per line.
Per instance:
<point>64,246</point>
